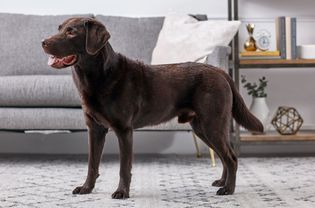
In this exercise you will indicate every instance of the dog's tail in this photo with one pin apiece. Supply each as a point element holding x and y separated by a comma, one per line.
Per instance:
<point>239,110</point>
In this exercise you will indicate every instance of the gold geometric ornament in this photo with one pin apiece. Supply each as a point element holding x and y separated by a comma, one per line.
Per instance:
<point>287,120</point>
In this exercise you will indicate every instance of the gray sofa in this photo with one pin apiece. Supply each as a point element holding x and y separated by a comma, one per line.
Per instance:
<point>34,96</point>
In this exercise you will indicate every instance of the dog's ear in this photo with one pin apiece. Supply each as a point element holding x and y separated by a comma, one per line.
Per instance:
<point>96,36</point>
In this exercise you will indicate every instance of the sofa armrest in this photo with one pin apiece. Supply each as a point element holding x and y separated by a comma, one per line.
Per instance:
<point>220,57</point>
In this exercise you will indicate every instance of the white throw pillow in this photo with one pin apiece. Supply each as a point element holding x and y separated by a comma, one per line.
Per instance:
<point>183,38</point>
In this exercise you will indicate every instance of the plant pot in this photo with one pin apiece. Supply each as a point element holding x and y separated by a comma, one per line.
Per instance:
<point>260,109</point>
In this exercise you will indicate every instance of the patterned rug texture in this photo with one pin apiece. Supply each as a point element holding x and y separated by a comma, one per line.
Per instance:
<point>161,181</point>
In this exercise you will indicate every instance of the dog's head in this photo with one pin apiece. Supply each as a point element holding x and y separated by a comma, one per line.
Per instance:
<point>76,37</point>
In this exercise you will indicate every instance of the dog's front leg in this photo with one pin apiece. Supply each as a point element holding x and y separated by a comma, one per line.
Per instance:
<point>125,146</point>
<point>97,135</point>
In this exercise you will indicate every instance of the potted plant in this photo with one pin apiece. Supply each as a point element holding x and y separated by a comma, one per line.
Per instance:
<point>259,105</point>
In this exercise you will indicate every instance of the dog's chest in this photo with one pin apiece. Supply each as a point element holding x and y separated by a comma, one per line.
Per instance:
<point>93,108</point>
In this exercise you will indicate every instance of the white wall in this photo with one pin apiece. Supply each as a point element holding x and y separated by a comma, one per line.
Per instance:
<point>273,8</point>
<point>116,7</point>
<point>286,86</point>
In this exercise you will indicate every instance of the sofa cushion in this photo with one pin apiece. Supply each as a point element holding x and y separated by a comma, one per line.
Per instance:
<point>183,38</point>
<point>60,119</point>
<point>20,43</point>
<point>133,37</point>
<point>41,119</point>
<point>38,90</point>
<point>220,57</point>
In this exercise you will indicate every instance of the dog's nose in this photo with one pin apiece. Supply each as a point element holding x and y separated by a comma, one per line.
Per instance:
<point>44,43</point>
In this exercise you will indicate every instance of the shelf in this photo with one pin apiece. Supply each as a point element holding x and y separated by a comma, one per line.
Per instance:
<point>275,137</point>
<point>270,137</point>
<point>277,63</point>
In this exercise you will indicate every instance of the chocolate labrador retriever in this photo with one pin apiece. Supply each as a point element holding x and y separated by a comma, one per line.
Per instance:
<point>123,95</point>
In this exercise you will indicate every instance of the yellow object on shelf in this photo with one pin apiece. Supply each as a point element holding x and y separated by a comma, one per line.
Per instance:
<point>259,53</point>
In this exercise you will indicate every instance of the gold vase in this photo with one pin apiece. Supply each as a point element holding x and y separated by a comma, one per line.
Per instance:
<point>250,43</point>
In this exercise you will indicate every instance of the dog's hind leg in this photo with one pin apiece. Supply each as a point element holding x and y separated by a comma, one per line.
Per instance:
<point>96,143</point>
<point>230,159</point>
<point>217,140</point>
<point>211,124</point>
<point>227,155</point>
<point>197,130</point>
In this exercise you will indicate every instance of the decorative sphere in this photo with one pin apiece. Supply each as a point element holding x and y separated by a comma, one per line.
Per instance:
<point>287,120</point>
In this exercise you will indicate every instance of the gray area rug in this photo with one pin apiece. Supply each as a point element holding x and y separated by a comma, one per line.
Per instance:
<point>158,181</point>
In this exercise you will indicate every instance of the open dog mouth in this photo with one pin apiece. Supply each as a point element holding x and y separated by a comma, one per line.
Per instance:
<point>62,62</point>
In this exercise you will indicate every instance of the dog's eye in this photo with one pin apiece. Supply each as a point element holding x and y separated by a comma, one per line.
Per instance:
<point>59,27</point>
<point>70,32</point>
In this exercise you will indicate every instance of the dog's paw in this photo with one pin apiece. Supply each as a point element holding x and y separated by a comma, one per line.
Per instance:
<point>82,190</point>
<point>120,194</point>
<point>219,183</point>
<point>226,190</point>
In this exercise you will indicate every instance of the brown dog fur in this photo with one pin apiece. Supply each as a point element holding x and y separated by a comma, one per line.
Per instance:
<point>123,95</point>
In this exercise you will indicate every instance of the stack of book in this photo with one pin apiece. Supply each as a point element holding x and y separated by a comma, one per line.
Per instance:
<point>286,37</point>
<point>260,55</point>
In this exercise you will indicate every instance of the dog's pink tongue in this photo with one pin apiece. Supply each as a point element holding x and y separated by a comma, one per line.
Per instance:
<point>55,62</point>
<point>51,60</point>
